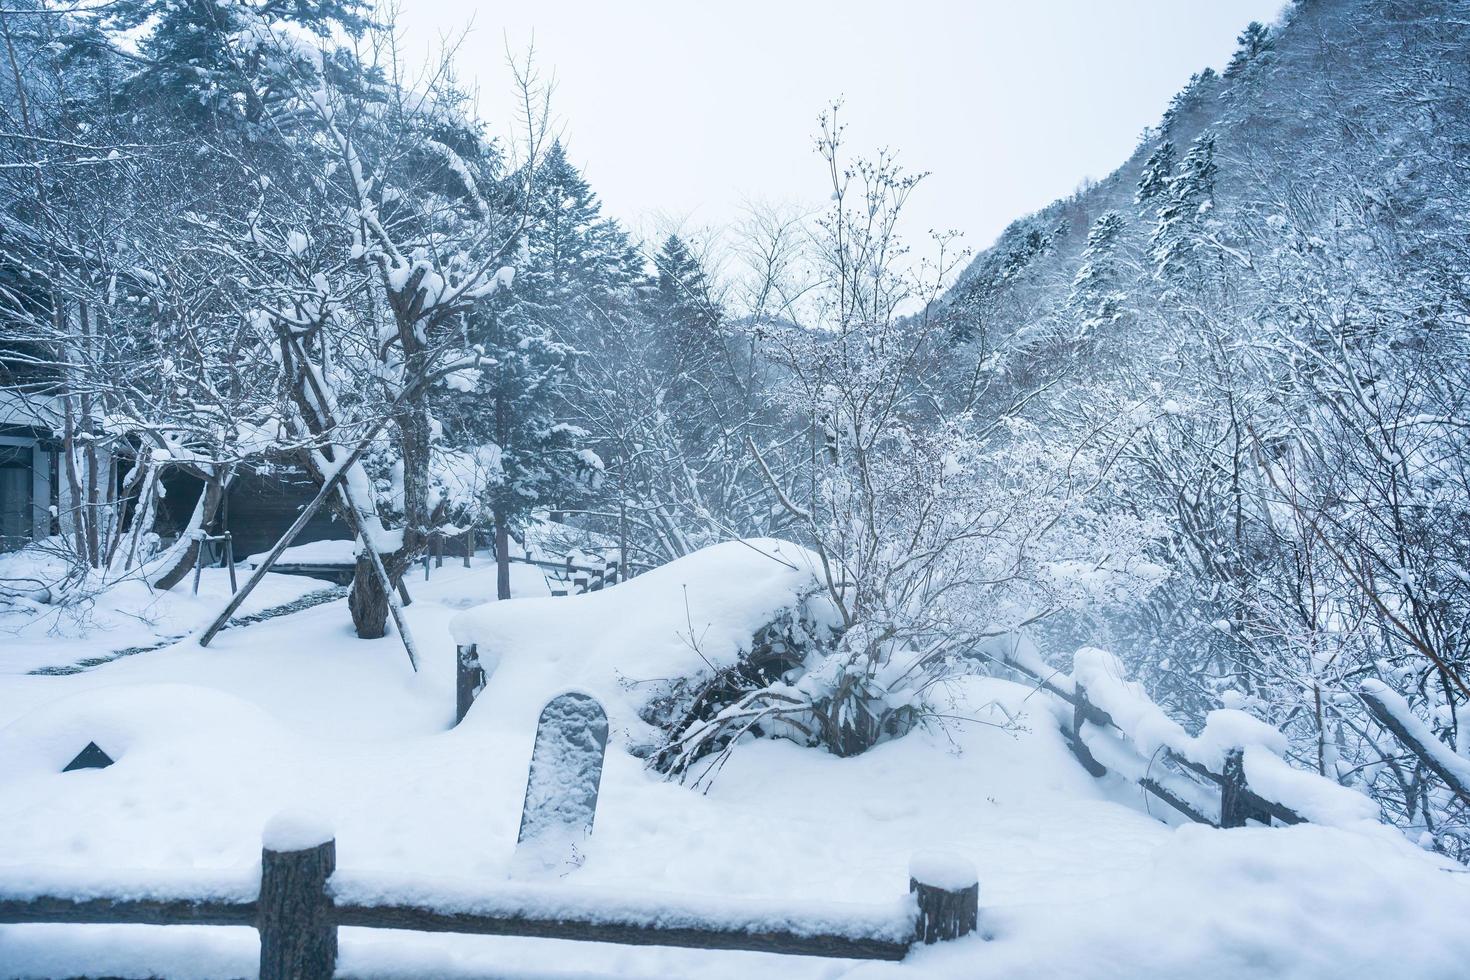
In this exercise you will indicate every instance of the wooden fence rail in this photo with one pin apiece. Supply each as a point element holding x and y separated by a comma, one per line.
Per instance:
<point>298,909</point>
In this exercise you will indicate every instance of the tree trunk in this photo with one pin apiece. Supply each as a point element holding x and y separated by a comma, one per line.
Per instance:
<point>502,559</point>
<point>368,600</point>
<point>184,557</point>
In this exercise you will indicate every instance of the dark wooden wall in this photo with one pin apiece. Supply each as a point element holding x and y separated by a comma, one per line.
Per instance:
<point>259,509</point>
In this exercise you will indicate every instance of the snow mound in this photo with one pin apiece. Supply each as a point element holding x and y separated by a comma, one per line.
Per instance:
<point>692,616</point>
<point>128,719</point>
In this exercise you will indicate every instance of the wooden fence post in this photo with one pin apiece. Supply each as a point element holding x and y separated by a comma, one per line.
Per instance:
<point>947,891</point>
<point>1084,755</point>
<point>469,546</point>
<point>469,680</point>
<point>1233,807</point>
<point>298,935</point>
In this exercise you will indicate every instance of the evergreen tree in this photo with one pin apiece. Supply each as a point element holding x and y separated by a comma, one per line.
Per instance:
<point>515,406</point>
<point>1096,299</point>
<point>1254,41</point>
<point>1180,218</point>
<point>684,313</point>
<point>227,60</point>
<point>1190,98</point>
<point>1157,171</point>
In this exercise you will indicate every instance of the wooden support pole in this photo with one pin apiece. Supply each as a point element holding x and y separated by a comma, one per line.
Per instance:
<point>198,564</point>
<point>298,931</point>
<point>302,519</point>
<point>469,545</point>
<point>947,891</point>
<point>230,560</point>
<point>469,680</point>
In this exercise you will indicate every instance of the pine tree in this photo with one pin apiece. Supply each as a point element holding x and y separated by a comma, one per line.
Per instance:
<point>226,61</point>
<point>515,407</point>
<point>1096,300</point>
<point>1254,41</point>
<point>683,311</point>
<point>1157,172</point>
<point>1190,98</point>
<point>1191,196</point>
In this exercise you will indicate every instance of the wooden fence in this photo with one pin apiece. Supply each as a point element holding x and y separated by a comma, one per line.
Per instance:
<point>301,902</point>
<point>1238,803</point>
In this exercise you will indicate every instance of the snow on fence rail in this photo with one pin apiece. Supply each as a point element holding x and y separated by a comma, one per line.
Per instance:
<point>300,900</point>
<point>1231,773</point>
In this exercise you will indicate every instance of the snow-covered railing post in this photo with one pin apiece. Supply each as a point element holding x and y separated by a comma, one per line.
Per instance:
<point>1233,804</point>
<point>469,680</point>
<point>947,892</point>
<point>298,932</point>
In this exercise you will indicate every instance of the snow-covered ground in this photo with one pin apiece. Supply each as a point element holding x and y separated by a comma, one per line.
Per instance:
<point>130,614</point>
<point>1075,877</point>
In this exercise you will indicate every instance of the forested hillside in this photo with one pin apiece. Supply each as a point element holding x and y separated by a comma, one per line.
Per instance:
<point>1263,314</point>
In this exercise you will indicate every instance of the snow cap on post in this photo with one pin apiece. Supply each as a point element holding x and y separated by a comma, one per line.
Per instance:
<point>947,891</point>
<point>296,830</point>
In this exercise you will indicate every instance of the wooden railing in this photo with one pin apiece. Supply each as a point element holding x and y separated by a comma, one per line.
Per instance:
<point>1238,802</point>
<point>301,902</point>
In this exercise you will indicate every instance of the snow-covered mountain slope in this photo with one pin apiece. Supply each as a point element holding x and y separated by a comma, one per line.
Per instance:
<point>1075,877</point>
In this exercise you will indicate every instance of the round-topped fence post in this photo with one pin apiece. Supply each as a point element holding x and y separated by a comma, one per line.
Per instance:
<point>298,935</point>
<point>947,891</point>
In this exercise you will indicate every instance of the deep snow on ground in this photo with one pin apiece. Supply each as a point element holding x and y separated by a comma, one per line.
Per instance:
<point>297,714</point>
<point>129,614</point>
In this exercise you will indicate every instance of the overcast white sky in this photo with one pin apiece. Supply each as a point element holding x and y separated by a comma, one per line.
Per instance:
<point>685,111</point>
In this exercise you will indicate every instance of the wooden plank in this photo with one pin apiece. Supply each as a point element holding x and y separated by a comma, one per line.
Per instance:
<point>420,919</point>
<point>111,911</point>
<point>1158,790</point>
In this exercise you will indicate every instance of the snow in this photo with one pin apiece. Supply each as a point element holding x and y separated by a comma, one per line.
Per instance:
<point>1319,800</point>
<point>295,713</point>
<point>687,618</point>
<point>336,551</point>
<point>1447,758</point>
<point>35,635</point>
<point>942,869</point>
<point>295,830</point>
<point>888,920</point>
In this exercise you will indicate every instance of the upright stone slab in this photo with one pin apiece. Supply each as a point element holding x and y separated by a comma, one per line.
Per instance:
<point>562,785</point>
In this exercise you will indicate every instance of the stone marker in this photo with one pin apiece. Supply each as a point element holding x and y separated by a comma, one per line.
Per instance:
<point>562,785</point>
<point>89,758</point>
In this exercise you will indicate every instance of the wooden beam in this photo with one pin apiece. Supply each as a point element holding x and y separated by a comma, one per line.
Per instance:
<point>628,933</point>
<point>115,911</point>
